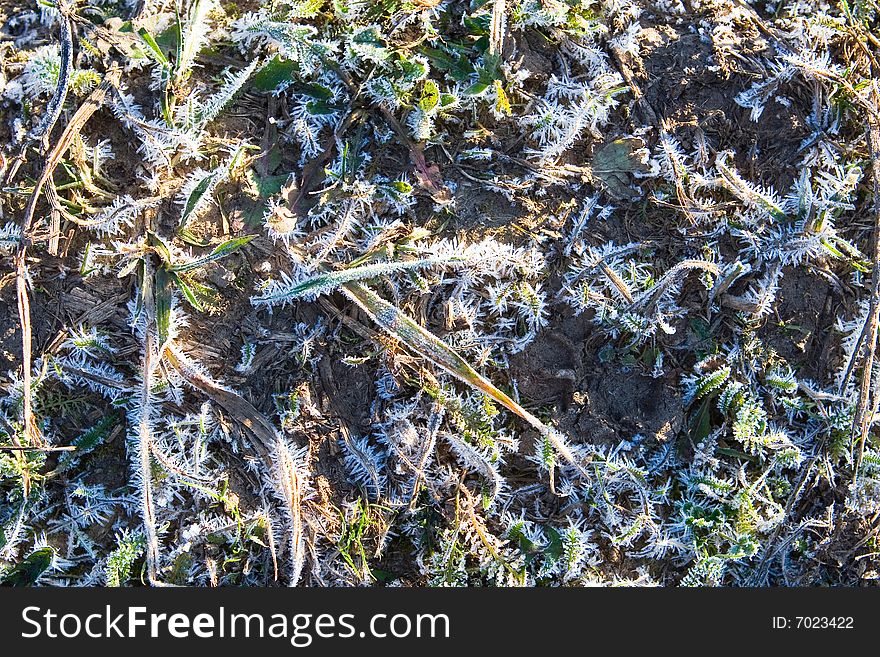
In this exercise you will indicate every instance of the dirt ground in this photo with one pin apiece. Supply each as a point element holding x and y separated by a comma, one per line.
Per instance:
<point>593,395</point>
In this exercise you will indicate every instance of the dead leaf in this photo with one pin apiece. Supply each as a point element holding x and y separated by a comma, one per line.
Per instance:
<point>616,162</point>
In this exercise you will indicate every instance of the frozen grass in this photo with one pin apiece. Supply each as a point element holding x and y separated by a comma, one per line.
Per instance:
<point>290,277</point>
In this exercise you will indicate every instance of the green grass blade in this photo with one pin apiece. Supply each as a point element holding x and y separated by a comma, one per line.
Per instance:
<point>327,282</point>
<point>154,47</point>
<point>227,248</point>
<point>28,571</point>
<point>164,292</point>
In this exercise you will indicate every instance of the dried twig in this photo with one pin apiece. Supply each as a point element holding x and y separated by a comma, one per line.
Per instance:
<point>863,417</point>
<point>74,126</point>
<point>498,27</point>
<point>265,441</point>
<point>53,110</point>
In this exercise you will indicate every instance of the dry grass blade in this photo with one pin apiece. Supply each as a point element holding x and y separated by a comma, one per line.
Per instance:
<point>429,346</point>
<point>498,27</point>
<point>85,111</point>
<point>79,119</point>
<point>56,105</point>
<point>288,483</point>
<point>286,478</point>
<point>144,432</point>
<point>865,410</point>
<point>256,426</point>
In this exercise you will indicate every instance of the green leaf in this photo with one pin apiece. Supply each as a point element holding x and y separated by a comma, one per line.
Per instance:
<point>192,239</point>
<point>411,71</point>
<point>430,97</point>
<point>447,100</point>
<point>320,108</point>
<point>700,424</point>
<point>487,74</point>
<point>169,38</point>
<point>175,31</point>
<point>735,453</point>
<point>227,248</point>
<point>316,91</point>
<point>369,36</point>
<point>476,89</point>
<point>88,441</point>
<point>29,570</point>
<point>368,43</point>
<point>196,294</point>
<point>190,44</point>
<point>270,185</point>
<point>479,25</point>
<point>277,71</point>
<point>201,194</point>
<point>554,547</point>
<point>266,187</point>
<point>160,246</point>
<point>197,196</point>
<point>154,47</point>
<point>164,293</point>
<point>491,68</point>
<point>701,328</point>
<point>456,65</point>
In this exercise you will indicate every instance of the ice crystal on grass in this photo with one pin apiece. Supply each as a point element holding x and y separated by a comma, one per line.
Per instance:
<point>547,308</point>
